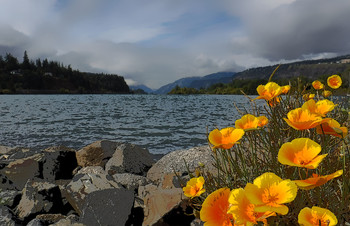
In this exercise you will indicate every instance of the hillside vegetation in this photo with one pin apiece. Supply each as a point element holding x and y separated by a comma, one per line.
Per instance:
<point>302,73</point>
<point>43,76</point>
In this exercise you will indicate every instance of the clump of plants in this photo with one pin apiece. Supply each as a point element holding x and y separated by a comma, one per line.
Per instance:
<point>284,162</point>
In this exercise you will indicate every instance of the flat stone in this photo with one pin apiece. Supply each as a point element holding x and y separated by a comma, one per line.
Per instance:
<point>39,197</point>
<point>86,181</point>
<point>158,202</point>
<point>130,158</point>
<point>107,207</point>
<point>96,154</point>
<point>21,170</point>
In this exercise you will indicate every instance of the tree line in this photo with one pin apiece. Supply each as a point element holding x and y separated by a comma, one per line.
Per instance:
<point>44,76</point>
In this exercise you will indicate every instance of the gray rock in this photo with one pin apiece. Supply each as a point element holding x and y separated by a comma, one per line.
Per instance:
<point>71,220</point>
<point>6,183</point>
<point>96,154</point>
<point>5,150</point>
<point>175,162</point>
<point>9,197</point>
<point>86,181</point>
<point>107,207</point>
<point>130,181</point>
<point>58,163</point>
<point>21,170</point>
<point>39,197</point>
<point>46,219</point>
<point>6,216</point>
<point>130,158</point>
<point>35,222</point>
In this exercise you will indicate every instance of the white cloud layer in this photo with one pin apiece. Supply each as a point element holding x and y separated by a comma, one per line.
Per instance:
<point>161,41</point>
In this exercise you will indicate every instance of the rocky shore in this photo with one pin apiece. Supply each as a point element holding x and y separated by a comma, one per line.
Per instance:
<point>104,183</point>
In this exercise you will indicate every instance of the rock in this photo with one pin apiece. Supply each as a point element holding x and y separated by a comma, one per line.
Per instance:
<point>71,220</point>
<point>10,198</point>
<point>129,158</point>
<point>45,219</point>
<point>21,152</point>
<point>35,222</point>
<point>107,207</point>
<point>130,181</point>
<point>5,150</point>
<point>175,162</point>
<point>86,181</point>
<point>39,197</point>
<point>21,170</point>
<point>6,183</point>
<point>96,154</point>
<point>6,216</point>
<point>58,163</point>
<point>158,202</point>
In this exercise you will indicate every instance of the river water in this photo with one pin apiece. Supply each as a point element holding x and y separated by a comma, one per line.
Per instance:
<point>160,123</point>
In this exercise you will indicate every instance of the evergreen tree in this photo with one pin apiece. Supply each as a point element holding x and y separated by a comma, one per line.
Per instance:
<point>11,62</point>
<point>26,63</point>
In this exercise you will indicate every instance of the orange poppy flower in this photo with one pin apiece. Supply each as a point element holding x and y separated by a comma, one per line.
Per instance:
<point>334,81</point>
<point>317,84</point>
<point>332,127</point>
<point>215,207</point>
<point>269,92</point>
<point>308,96</point>
<point>301,119</point>
<point>247,121</point>
<point>225,138</point>
<point>285,89</point>
<point>194,187</point>
<point>269,192</point>
<point>326,93</point>
<point>321,108</point>
<point>316,216</point>
<point>243,211</point>
<point>301,152</point>
<point>262,121</point>
<point>317,180</point>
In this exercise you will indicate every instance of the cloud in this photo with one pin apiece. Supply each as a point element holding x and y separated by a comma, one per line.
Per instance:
<point>161,41</point>
<point>294,29</point>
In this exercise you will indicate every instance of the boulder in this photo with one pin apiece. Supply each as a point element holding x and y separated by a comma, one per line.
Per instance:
<point>107,207</point>
<point>130,158</point>
<point>39,197</point>
<point>6,183</point>
<point>6,216</point>
<point>58,163</point>
<point>176,161</point>
<point>71,220</point>
<point>46,219</point>
<point>21,170</point>
<point>9,198</point>
<point>159,202</point>
<point>96,154</point>
<point>130,181</point>
<point>86,181</point>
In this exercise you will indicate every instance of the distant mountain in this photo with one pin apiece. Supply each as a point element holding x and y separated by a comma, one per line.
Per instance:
<point>198,82</point>
<point>142,87</point>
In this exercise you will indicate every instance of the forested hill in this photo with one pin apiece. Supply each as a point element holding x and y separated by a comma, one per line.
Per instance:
<point>303,71</point>
<point>310,69</point>
<point>43,76</point>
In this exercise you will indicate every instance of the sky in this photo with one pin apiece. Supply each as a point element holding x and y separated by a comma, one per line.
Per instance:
<point>156,42</point>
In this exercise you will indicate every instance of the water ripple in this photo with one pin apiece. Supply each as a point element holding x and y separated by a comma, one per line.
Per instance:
<point>160,123</point>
